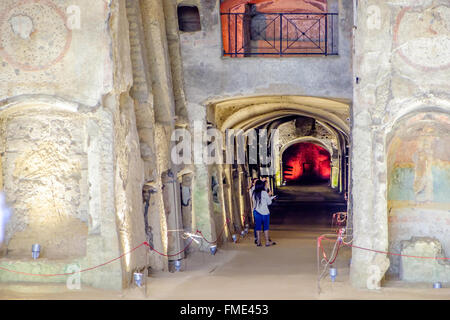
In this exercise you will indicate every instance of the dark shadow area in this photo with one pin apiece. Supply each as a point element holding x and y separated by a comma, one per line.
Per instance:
<point>299,205</point>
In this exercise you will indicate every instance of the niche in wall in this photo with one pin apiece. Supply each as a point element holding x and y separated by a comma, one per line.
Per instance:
<point>418,164</point>
<point>45,180</point>
<point>189,19</point>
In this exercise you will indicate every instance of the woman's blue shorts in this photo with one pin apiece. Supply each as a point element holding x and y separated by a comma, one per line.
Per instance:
<point>261,220</point>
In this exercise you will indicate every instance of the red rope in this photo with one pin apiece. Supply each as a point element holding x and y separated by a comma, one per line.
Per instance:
<point>67,274</point>
<point>335,256</point>
<point>395,254</point>
<point>319,239</point>
<point>169,255</point>
<point>319,244</point>
<point>220,235</point>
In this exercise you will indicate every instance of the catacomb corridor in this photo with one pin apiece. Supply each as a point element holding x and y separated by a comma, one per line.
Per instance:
<point>131,132</point>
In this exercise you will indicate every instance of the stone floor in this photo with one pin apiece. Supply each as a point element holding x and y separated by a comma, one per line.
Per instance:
<point>313,193</point>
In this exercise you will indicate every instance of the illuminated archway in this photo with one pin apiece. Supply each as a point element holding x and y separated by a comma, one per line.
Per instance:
<point>306,162</point>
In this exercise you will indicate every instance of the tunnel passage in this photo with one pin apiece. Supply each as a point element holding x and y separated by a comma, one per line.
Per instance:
<point>45,174</point>
<point>297,120</point>
<point>306,163</point>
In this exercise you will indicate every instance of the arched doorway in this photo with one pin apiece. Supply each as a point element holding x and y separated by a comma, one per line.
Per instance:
<point>321,122</point>
<point>306,163</point>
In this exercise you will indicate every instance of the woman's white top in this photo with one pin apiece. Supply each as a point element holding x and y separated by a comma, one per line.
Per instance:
<point>263,206</point>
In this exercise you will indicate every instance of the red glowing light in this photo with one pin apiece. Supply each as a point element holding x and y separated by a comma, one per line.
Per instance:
<point>306,160</point>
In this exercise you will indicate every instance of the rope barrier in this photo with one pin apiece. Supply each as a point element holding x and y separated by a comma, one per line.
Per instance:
<point>220,235</point>
<point>335,256</point>
<point>339,242</point>
<point>115,259</point>
<point>84,270</point>
<point>319,244</point>
<point>169,255</point>
<point>379,251</point>
<point>395,254</point>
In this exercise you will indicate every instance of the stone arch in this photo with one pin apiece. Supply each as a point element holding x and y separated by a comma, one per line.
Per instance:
<point>418,180</point>
<point>307,139</point>
<point>249,112</point>
<point>16,104</point>
<point>312,140</point>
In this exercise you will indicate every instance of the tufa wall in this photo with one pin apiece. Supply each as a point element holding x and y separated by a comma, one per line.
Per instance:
<point>71,163</point>
<point>401,94</point>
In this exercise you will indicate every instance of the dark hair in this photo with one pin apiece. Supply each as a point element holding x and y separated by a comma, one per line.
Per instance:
<point>259,187</point>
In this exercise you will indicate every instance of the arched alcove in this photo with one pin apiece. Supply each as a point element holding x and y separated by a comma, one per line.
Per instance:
<point>45,177</point>
<point>418,172</point>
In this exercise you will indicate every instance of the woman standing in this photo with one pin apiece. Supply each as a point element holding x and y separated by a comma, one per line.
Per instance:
<point>250,191</point>
<point>261,201</point>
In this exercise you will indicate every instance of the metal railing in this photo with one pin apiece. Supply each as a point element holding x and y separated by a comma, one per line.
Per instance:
<point>279,34</point>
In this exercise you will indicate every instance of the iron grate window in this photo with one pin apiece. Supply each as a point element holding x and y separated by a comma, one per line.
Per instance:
<point>279,34</point>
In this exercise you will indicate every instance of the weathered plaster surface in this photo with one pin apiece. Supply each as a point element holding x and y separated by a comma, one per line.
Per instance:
<point>72,171</point>
<point>418,181</point>
<point>211,76</point>
<point>401,68</point>
<point>43,53</point>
